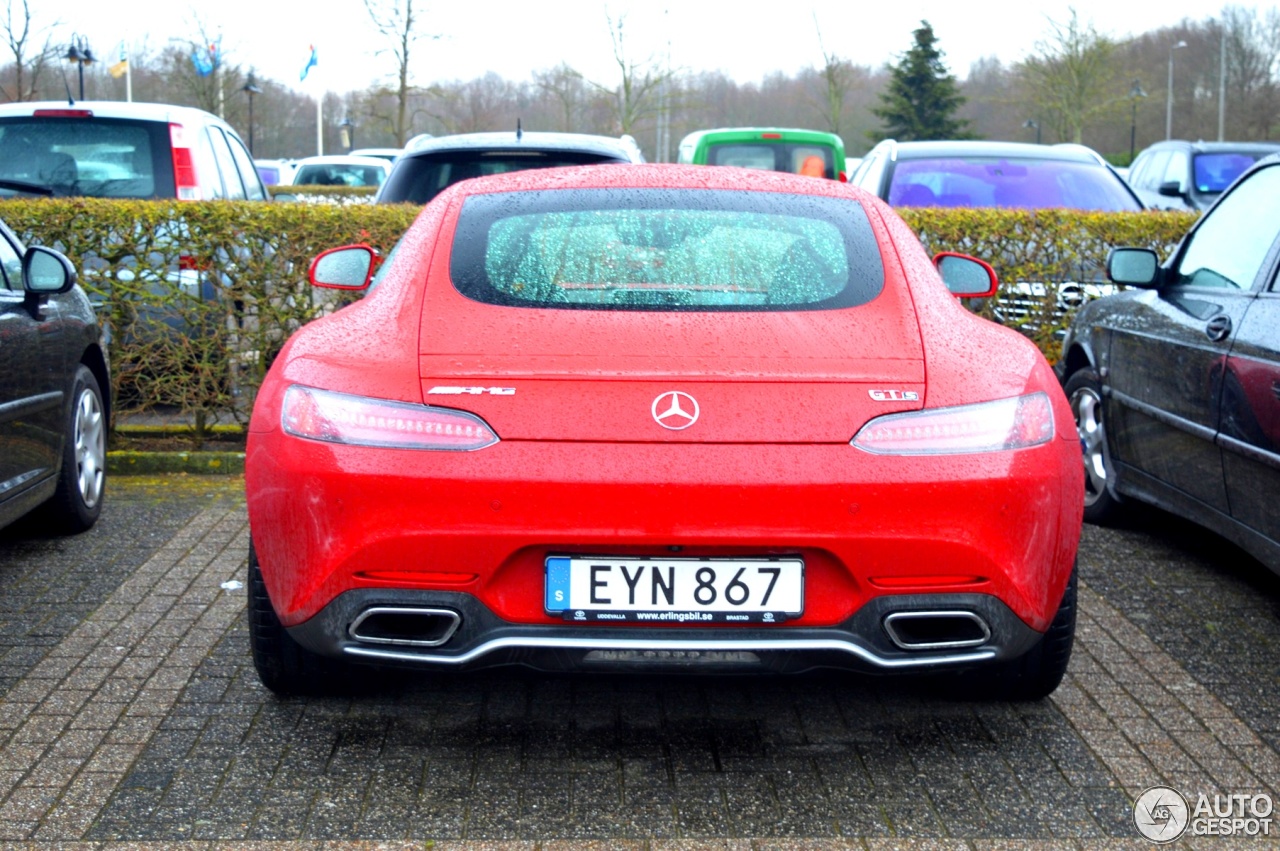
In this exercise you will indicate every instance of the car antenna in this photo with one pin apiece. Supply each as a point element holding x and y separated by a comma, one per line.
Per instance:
<point>519,132</point>
<point>70,100</point>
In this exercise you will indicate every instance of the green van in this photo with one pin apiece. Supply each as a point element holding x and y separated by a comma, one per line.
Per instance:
<point>810,152</point>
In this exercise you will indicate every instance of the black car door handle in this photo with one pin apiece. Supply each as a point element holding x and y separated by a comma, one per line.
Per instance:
<point>1218,328</point>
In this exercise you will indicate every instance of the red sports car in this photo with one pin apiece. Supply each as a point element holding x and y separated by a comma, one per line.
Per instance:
<point>661,417</point>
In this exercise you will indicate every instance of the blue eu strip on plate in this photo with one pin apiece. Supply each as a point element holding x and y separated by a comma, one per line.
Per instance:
<point>557,584</point>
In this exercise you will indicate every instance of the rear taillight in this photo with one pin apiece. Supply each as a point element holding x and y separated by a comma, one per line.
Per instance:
<point>184,165</point>
<point>360,421</point>
<point>1017,423</point>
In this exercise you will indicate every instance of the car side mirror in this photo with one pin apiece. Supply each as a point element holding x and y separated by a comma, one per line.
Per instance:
<point>1171,189</point>
<point>47,272</point>
<point>966,276</point>
<point>347,268</point>
<point>1133,267</point>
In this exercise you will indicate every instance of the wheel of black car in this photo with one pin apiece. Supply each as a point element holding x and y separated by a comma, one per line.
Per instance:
<point>77,503</point>
<point>1085,394</point>
<point>1038,672</point>
<point>284,665</point>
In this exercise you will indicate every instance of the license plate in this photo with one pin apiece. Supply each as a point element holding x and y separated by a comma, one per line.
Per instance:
<point>674,591</point>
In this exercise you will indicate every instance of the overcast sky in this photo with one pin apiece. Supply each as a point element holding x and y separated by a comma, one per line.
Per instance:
<point>746,39</point>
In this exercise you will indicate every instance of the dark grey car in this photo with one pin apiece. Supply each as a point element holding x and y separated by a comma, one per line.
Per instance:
<point>54,400</point>
<point>1175,384</point>
<point>1179,175</point>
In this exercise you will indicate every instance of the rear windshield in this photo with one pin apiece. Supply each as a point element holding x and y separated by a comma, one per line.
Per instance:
<point>418,179</point>
<point>1215,172</point>
<point>339,174</point>
<point>811,160</point>
<point>97,157</point>
<point>659,249</point>
<point>1019,183</point>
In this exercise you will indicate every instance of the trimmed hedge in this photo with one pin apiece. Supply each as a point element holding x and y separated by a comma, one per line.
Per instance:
<point>1035,252</point>
<point>199,297</point>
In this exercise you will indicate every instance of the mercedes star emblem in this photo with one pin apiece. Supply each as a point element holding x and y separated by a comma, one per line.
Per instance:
<point>675,410</point>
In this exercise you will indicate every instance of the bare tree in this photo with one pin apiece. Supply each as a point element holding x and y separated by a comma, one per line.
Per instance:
<point>1071,77</point>
<point>485,103</point>
<point>569,91</point>
<point>1252,54</point>
<point>399,21</point>
<point>636,95</point>
<point>29,60</point>
<point>839,77</point>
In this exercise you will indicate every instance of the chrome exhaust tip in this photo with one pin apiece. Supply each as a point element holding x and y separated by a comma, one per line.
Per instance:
<point>936,630</point>
<point>405,626</point>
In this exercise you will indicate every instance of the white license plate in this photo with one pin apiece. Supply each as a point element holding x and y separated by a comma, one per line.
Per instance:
<point>674,591</point>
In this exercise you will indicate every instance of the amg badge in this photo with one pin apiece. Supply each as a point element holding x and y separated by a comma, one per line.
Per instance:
<point>472,391</point>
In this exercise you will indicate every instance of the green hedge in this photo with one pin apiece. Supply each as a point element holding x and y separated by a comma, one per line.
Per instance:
<point>204,348</point>
<point>1035,251</point>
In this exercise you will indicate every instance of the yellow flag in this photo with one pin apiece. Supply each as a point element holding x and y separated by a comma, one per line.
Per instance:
<point>118,70</point>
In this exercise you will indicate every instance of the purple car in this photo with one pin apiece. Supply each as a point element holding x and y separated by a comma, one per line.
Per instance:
<point>993,174</point>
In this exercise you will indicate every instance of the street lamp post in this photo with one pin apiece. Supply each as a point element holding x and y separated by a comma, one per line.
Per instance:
<point>1032,124</point>
<point>1168,98</point>
<point>1135,93</point>
<point>80,54</point>
<point>251,88</point>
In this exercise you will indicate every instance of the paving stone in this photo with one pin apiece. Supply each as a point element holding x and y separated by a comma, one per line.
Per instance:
<point>166,737</point>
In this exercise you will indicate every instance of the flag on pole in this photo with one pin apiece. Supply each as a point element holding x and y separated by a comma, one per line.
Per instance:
<point>311,63</point>
<point>119,69</point>
<point>205,59</point>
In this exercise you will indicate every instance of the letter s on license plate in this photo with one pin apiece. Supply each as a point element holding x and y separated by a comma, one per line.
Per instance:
<point>674,591</point>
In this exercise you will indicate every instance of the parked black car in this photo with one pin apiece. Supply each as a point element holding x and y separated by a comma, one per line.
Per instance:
<point>1180,175</point>
<point>54,391</point>
<point>430,164</point>
<point>1175,384</point>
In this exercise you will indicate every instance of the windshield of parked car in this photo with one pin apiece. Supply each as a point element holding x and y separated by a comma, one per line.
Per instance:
<point>1023,183</point>
<point>1215,172</point>
<point>810,160</point>
<point>665,249</point>
<point>418,179</point>
<point>339,174</point>
<point>98,157</point>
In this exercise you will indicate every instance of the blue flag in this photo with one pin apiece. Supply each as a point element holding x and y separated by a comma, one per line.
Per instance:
<point>311,63</point>
<point>205,59</point>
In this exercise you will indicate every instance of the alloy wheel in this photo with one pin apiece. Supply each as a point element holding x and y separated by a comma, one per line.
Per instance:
<point>1086,406</point>
<point>90,447</point>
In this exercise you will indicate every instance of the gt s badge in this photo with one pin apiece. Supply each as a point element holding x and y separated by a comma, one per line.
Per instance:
<point>894,395</point>
<point>473,391</point>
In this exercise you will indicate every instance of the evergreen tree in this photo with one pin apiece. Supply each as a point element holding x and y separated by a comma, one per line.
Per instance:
<point>922,97</point>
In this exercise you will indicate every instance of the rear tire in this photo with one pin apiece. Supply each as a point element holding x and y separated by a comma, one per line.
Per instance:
<point>1040,670</point>
<point>1084,391</point>
<point>77,503</point>
<point>285,666</point>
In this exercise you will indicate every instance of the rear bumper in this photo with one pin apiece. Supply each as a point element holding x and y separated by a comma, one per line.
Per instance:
<point>480,639</point>
<point>328,520</point>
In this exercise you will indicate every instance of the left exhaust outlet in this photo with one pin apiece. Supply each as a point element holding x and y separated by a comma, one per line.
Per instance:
<point>405,626</point>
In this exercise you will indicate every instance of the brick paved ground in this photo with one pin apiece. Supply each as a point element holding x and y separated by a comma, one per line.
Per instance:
<point>130,717</point>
